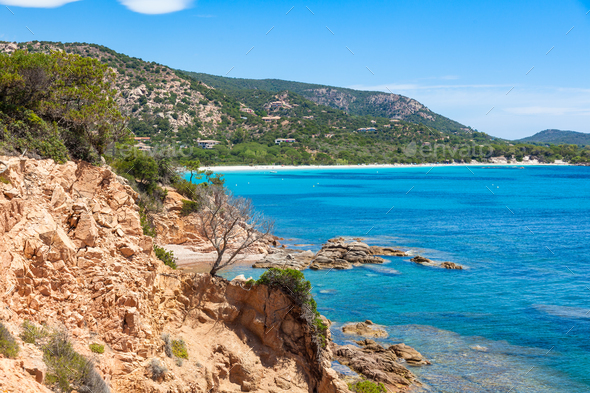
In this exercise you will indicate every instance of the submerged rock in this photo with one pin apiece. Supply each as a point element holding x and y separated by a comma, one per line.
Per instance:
<point>445,265</point>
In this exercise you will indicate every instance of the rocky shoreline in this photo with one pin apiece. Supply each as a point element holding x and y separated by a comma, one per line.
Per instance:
<point>340,254</point>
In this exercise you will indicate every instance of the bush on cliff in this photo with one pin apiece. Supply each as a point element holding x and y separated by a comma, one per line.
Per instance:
<point>292,282</point>
<point>31,334</point>
<point>165,256</point>
<point>189,207</point>
<point>367,387</point>
<point>8,345</point>
<point>67,370</point>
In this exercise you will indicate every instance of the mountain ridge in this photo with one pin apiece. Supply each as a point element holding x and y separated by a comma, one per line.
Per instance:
<point>558,136</point>
<point>352,101</point>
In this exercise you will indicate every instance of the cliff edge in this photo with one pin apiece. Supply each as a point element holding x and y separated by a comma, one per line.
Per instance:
<point>74,257</point>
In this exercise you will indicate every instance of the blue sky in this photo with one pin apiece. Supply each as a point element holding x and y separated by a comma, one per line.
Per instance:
<point>459,58</point>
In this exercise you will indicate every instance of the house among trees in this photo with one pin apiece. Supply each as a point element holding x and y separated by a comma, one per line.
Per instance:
<point>268,119</point>
<point>278,141</point>
<point>207,144</point>
<point>247,110</point>
<point>280,104</point>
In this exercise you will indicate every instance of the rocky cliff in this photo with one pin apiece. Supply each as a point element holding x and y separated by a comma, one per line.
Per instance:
<point>73,256</point>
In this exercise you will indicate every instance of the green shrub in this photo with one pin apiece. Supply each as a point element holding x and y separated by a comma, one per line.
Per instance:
<point>367,387</point>
<point>67,370</point>
<point>8,345</point>
<point>32,333</point>
<point>97,348</point>
<point>292,282</point>
<point>165,256</point>
<point>179,349</point>
<point>189,207</point>
<point>187,189</point>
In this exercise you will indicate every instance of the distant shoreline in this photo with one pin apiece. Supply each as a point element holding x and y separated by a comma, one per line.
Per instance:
<point>238,168</point>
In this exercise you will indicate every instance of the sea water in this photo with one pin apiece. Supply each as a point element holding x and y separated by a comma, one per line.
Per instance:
<point>517,318</point>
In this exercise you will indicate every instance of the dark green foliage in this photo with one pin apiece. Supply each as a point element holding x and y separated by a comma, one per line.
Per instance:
<point>97,348</point>
<point>146,224</point>
<point>31,333</point>
<point>57,105</point>
<point>189,207</point>
<point>165,256</point>
<point>67,370</point>
<point>292,283</point>
<point>8,345</point>
<point>367,387</point>
<point>187,189</point>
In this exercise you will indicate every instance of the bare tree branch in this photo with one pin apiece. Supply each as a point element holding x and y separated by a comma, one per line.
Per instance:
<point>231,225</point>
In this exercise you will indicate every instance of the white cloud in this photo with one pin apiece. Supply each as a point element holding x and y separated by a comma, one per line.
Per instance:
<point>36,3</point>
<point>153,7</point>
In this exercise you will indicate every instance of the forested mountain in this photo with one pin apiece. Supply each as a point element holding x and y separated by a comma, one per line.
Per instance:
<point>559,136</point>
<point>354,102</point>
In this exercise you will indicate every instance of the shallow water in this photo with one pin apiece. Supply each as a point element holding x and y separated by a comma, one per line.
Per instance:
<point>522,235</point>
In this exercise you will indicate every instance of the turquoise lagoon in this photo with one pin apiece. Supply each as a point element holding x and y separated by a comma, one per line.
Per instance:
<point>518,316</point>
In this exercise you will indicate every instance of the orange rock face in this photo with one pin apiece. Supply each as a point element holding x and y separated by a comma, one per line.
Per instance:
<point>73,254</point>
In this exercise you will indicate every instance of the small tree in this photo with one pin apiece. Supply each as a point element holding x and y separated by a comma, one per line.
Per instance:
<point>230,224</point>
<point>193,168</point>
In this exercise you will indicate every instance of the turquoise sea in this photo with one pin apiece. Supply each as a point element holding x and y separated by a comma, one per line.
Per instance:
<point>517,319</point>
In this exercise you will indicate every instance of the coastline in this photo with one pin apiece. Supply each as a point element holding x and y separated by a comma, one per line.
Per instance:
<point>242,168</point>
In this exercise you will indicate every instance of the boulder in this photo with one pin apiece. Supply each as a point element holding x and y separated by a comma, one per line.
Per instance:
<point>364,329</point>
<point>421,260</point>
<point>338,253</point>
<point>86,230</point>
<point>378,366</point>
<point>451,265</point>
<point>285,258</point>
<point>387,251</point>
<point>409,354</point>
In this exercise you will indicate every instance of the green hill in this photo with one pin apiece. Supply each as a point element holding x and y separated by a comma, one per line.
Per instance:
<point>559,137</point>
<point>354,102</point>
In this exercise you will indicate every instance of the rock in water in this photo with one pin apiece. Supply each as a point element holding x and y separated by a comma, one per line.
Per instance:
<point>409,354</point>
<point>421,260</point>
<point>451,265</point>
<point>339,254</point>
<point>380,365</point>
<point>363,329</point>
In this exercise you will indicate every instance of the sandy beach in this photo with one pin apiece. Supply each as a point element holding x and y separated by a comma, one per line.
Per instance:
<point>200,262</point>
<point>237,168</point>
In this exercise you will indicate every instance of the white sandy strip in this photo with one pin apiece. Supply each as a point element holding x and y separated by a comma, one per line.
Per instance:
<point>237,168</point>
<point>187,258</point>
